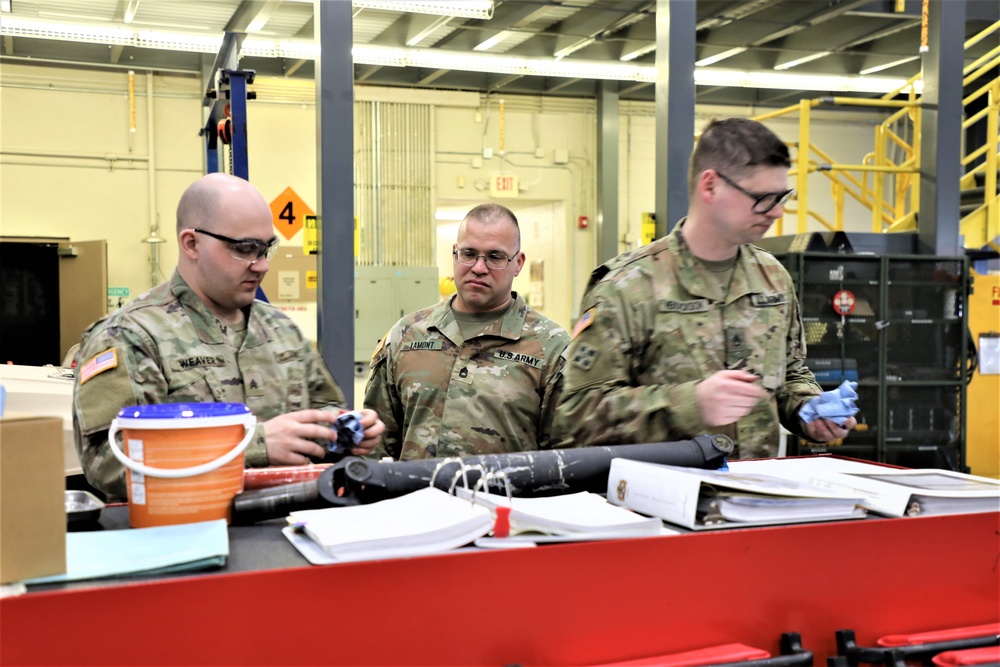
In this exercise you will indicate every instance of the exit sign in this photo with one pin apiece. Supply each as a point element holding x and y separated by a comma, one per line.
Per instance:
<point>503,185</point>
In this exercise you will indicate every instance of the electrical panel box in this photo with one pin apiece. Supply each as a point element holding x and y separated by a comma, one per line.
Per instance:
<point>384,294</point>
<point>897,326</point>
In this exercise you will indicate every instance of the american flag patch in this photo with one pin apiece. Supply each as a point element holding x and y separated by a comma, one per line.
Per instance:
<point>104,361</point>
<point>585,321</point>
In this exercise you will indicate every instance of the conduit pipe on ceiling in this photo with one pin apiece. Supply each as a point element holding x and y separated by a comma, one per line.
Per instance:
<point>154,239</point>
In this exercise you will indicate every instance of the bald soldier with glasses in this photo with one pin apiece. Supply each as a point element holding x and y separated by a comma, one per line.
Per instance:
<point>202,337</point>
<point>478,373</point>
<point>698,332</point>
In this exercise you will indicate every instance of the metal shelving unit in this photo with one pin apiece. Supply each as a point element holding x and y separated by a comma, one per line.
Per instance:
<point>904,342</point>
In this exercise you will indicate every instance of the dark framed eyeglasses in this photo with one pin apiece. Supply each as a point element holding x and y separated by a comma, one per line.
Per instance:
<point>495,259</point>
<point>762,202</point>
<point>247,250</point>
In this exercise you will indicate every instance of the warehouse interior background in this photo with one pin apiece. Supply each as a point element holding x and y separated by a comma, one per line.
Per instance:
<point>103,107</point>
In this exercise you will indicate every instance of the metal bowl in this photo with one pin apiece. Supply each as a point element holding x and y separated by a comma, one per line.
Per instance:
<point>82,506</point>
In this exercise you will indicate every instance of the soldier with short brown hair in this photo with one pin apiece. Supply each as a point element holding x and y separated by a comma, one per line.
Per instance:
<point>698,332</point>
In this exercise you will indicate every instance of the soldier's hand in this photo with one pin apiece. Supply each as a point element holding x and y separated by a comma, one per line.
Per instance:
<point>824,430</point>
<point>291,438</point>
<point>373,433</point>
<point>727,396</point>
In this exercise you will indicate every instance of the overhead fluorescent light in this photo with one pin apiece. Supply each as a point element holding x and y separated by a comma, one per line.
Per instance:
<point>5,6</point>
<point>586,69</point>
<point>879,68</point>
<point>488,44</point>
<point>786,81</point>
<point>130,10</point>
<point>635,53</point>
<point>469,9</point>
<point>711,60</point>
<point>438,59</point>
<point>800,61</point>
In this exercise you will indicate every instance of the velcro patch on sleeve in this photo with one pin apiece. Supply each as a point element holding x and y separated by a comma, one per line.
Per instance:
<point>585,321</point>
<point>381,344</point>
<point>99,363</point>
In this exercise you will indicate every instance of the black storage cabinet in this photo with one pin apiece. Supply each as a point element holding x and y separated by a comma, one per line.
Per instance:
<point>904,343</point>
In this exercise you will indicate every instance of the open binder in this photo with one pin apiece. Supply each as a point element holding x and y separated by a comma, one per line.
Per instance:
<point>890,491</point>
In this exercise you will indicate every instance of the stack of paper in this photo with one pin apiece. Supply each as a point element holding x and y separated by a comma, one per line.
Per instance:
<point>889,491</point>
<point>581,515</point>
<point>423,522</point>
<point>158,550</point>
<point>706,499</point>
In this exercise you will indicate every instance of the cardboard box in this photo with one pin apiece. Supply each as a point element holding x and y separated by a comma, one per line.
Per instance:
<point>32,498</point>
<point>292,276</point>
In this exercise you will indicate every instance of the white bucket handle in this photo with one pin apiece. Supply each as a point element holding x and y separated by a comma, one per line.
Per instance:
<point>249,424</point>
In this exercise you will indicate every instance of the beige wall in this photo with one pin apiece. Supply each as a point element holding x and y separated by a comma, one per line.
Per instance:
<point>59,127</point>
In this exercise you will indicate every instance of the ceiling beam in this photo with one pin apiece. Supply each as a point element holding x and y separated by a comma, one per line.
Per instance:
<point>510,78</point>
<point>564,83</point>
<point>432,77</point>
<point>364,72</point>
<point>8,45</point>
<point>115,53</point>
<point>294,67</point>
<point>729,15</point>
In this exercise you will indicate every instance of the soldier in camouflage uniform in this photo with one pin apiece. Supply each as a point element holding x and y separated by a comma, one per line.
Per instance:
<point>201,337</point>
<point>698,332</point>
<point>479,373</point>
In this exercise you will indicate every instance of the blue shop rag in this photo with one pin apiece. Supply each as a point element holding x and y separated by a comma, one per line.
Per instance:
<point>350,432</point>
<point>835,405</point>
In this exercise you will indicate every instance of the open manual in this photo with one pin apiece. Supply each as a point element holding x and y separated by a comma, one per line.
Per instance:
<point>432,521</point>
<point>426,521</point>
<point>889,491</point>
<point>573,517</point>
<point>710,499</point>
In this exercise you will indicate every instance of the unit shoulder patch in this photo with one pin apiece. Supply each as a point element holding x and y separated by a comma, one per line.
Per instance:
<point>585,356</point>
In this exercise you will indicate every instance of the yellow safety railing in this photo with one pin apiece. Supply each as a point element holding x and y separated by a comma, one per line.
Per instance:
<point>887,182</point>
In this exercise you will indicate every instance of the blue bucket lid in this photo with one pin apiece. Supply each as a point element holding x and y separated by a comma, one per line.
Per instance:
<point>183,410</point>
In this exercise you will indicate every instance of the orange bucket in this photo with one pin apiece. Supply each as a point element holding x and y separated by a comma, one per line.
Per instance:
<point>183,461</point>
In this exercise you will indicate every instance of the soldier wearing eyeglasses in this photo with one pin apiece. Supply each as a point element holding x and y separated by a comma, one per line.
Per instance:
<point>700,331</point>
<point>203,337</point>
<point>480,372</point>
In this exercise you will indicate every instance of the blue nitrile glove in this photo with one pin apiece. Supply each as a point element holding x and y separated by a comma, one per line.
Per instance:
<point>836,405</point>
<point>350,433</point>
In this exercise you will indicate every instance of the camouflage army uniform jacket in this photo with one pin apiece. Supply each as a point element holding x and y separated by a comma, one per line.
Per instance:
<point>654,325</point>
<point>168,348</point>
<point>440,395</point>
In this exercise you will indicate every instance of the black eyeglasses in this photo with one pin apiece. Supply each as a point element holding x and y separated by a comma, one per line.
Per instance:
<point>762,203</point>
<point>495,259</point>
<point>247,250</point>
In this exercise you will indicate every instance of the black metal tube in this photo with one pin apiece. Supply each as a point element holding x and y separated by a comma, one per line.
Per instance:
<point>354,480</point>
<point>535,473</point>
